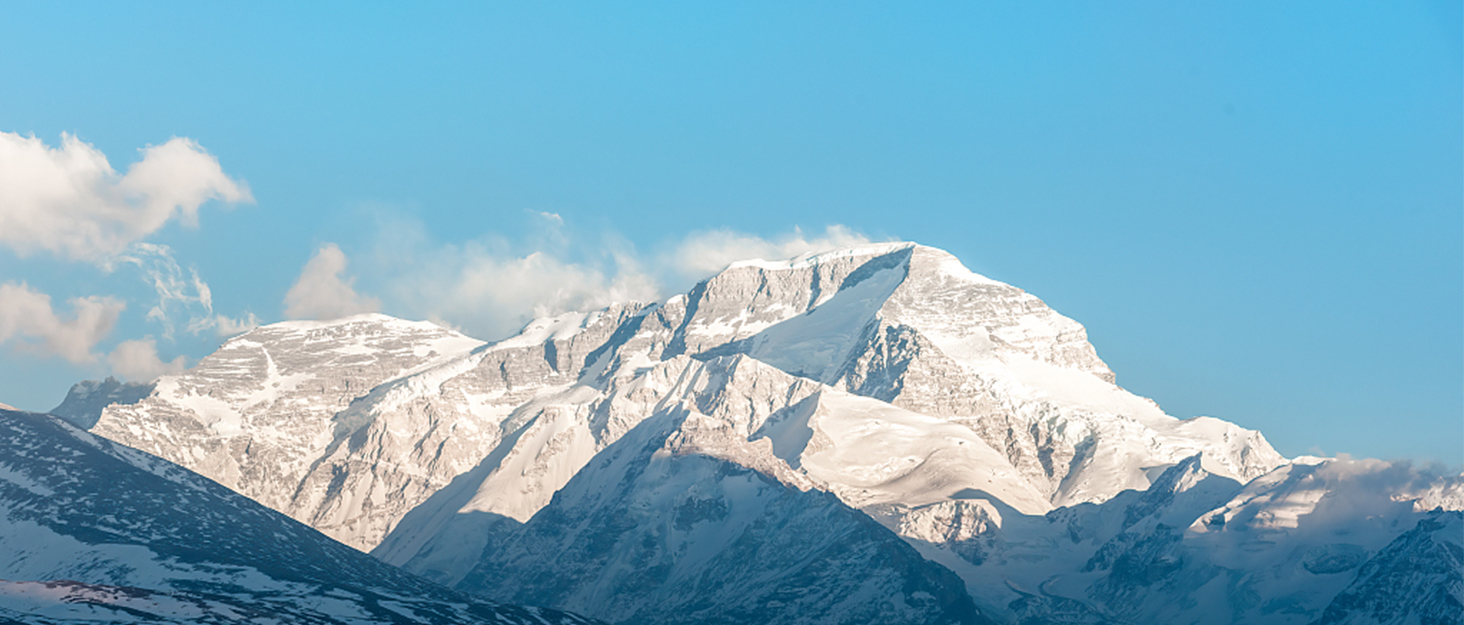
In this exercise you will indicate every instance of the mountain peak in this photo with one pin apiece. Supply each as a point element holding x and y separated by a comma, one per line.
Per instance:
<point>87,399</point>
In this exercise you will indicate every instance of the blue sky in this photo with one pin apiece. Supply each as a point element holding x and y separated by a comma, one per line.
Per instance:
<point>1254,208</point>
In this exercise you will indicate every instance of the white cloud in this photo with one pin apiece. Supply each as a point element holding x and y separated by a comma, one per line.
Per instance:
<point>702,254</point>
<point>69,201</point>
<point>491,295</point>
<point>228,326</point>
<point>553,218</point>
<point>27,319</point>
<point>138,361</point>
<point>489,289</point>
<point>322,292</point>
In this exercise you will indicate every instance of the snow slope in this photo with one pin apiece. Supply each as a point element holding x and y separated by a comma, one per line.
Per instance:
<point>910,327</point>
<point>686,520</point>
<point>91,531</point>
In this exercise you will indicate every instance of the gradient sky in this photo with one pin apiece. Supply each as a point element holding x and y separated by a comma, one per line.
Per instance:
<point>1254,208</point>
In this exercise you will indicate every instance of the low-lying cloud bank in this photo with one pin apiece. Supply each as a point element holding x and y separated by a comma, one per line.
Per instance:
<point>702,254</point>
<point>489,289</point>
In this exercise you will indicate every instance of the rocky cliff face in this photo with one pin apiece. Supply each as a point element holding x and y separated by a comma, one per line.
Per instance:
<point>961,414</point>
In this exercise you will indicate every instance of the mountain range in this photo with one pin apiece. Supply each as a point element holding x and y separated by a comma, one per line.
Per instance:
<point>873,434</point>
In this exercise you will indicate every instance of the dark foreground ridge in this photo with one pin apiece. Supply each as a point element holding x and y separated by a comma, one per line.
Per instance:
<point>92,531</point>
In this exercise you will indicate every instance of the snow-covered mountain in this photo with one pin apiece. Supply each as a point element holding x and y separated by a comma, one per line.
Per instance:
<point>92,531</point>
<point>686,521</point>
<point>1417,578</point>
<point>970,421</point>
<point>1200,548</point>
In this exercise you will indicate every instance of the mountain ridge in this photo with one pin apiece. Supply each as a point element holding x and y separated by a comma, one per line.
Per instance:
<point>91,530</point>
<point>958,412</point>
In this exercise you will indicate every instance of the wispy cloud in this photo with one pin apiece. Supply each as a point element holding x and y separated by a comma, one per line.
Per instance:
<point>28,322</point>
<point>553,219</point>
<point>704,253</point>
<point>69,201</point>
<point>182,297</point>
<point>323,292</point>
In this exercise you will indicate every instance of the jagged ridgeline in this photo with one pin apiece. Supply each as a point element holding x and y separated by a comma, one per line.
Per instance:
<point>874,434</point>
